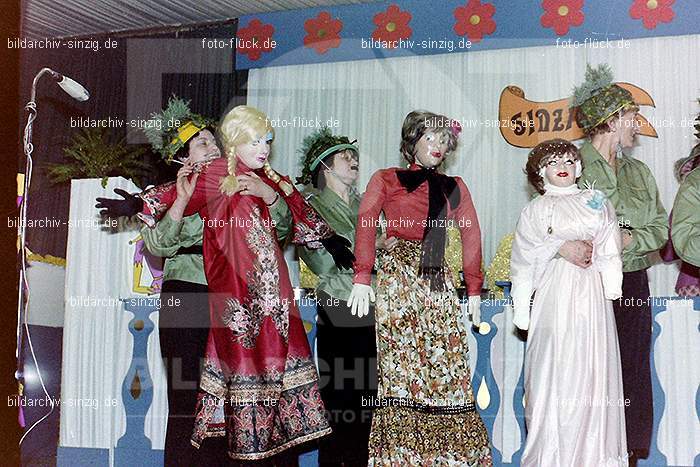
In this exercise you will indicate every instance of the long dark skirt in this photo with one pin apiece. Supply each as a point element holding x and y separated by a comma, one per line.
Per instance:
<point>633,319</point>
<point>347,359</point>
<point>183,325</point>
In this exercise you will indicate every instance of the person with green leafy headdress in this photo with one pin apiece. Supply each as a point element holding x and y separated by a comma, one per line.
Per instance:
<point>344,344</point>
<point>608,115</point>
<point>685,222</point>
<point>183,329</point>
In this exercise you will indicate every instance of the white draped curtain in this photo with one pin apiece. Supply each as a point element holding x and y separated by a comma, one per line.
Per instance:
<point>97,345</point>
<point>369,99</point>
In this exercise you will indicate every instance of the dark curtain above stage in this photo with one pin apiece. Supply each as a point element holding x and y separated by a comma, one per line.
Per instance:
<point>126,82</point>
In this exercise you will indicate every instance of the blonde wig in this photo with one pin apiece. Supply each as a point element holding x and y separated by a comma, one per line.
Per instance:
<point>241,125</point>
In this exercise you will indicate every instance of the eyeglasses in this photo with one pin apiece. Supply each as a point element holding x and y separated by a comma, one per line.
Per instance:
<point>349,156</point>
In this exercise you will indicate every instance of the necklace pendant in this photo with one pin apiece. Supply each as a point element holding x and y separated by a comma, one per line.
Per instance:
<point>549,230</point>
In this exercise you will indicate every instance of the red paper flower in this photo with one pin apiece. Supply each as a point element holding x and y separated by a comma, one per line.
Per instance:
<point>456,128</point>
<point>392,25</point>
<point>323,32</point>
<point>652,12</point>
<point>560,15</point>
<point>255,39</point>
<point>475,20</point>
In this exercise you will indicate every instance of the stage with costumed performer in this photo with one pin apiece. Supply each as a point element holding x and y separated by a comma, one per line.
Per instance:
<point>183,323</point>
<point>608,115</point>
<point>259,384</point>
<point>684,220</point>
<point>330,169</point>
<point>573,379</point>
<point>426,413</point>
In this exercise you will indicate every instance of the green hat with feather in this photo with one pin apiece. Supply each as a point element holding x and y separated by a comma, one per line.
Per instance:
<point>598,99</point>
<point>169,130</point>
<point>319,145</point>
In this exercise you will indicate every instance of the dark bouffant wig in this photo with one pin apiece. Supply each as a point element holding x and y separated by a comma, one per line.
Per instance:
<point>418,122</point>
<point>318,178</point>
<point>541,153</point>
<point>184,151</point>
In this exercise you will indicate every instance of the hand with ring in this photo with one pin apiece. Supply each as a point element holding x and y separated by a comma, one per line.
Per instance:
<point>578,252</point>
<point>250,184</point>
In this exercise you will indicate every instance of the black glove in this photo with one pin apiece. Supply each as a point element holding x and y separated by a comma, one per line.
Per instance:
<point>129,206</point>
<point>339,248</point>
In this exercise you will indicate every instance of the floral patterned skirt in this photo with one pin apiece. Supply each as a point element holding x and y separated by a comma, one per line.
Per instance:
<point>426,413</point>
<point>267,412</point>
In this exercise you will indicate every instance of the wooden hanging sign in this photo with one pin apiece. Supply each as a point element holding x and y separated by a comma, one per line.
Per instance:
<point>526,123</point>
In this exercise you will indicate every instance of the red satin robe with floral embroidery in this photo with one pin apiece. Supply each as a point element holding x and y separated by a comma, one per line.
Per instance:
<point>258,366</point>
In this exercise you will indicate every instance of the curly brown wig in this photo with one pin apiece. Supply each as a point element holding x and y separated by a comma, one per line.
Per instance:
<point>541,153</point>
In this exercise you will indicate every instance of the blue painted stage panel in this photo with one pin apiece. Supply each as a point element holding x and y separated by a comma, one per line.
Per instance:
<point>134,448</point>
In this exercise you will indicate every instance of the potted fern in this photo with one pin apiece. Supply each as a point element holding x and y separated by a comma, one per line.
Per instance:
<point>91,154</point>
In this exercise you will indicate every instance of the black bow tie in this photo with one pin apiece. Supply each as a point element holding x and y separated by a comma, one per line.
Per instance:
<point>441,188</point>
<point>438,184</point>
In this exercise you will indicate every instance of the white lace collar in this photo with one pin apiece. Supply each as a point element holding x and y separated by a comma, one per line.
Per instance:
<point>550,189</point>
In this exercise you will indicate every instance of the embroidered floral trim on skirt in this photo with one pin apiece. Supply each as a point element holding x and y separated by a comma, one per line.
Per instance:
<point>426,413</point>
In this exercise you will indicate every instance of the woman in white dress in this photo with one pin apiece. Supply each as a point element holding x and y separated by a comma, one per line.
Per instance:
<point>574,404</point>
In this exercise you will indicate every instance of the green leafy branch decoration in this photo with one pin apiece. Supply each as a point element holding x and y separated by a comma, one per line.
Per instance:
<point>91,154</point>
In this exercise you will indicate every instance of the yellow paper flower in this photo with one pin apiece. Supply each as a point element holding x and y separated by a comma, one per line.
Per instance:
<point>307,279</point>
<point>499,269</point>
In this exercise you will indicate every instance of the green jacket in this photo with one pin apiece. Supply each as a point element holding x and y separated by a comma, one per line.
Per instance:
<point>342,218</point>
<point>632,190</point>
<point>168,236</point>
<point>685,228</point>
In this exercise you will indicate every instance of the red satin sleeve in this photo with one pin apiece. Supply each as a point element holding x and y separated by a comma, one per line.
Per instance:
<point>157,200</point>
<point>366,230</point>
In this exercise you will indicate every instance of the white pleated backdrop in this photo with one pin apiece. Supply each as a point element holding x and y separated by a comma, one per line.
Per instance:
<point>370,98</point>
<point>97,345</point>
